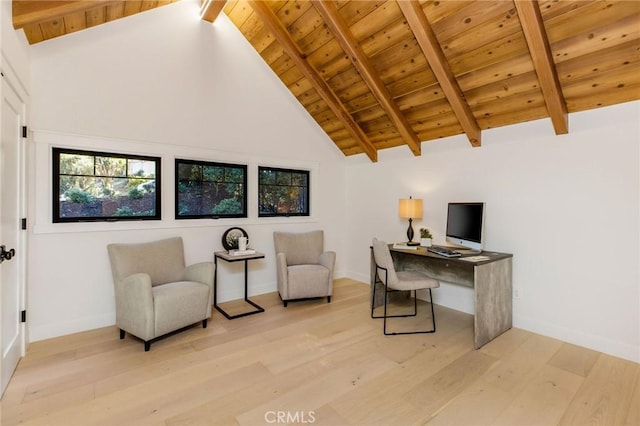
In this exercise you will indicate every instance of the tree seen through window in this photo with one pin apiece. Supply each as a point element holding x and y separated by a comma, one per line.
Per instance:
<point>205,189</point>
<point>102,186</point>
<point>283,192</point>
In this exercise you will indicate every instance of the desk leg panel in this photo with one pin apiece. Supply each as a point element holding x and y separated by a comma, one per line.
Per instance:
<point>493,300</point>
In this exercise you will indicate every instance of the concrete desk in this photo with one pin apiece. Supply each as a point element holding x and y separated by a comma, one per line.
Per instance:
<point>490,280</point>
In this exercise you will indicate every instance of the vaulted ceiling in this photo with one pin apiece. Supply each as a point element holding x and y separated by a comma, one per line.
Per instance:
<point>380,74</point>
<point>45,19</point>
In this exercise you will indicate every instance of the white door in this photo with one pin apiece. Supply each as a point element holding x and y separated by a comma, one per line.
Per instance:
<point>11,277</point>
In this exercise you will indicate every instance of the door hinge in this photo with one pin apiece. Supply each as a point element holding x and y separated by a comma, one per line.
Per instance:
<point>23,316</point>
<point>24,131</point>
<point>23,223</point>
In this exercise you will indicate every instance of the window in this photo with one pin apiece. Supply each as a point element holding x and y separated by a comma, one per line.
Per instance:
<point>100,186</point>
<point>213,190</point>
<point>283,192</point>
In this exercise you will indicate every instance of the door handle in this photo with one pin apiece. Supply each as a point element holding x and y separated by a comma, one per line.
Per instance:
<point>6,254</point>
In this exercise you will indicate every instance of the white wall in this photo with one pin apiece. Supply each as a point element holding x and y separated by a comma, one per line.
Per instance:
<point>567,207</point>
<point>163,83</point>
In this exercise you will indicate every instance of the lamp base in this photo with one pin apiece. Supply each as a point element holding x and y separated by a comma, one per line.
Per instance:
<point>413,243</point>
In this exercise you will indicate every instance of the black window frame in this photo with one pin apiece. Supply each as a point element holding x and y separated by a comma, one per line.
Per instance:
<point>243,167</point>
<point>306,202</point>
<point>56,202</point>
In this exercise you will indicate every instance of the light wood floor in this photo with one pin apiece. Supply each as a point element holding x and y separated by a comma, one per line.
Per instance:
<point>322,364</point>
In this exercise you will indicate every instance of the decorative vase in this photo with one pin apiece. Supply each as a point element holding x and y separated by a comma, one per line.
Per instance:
<point>425,242</point>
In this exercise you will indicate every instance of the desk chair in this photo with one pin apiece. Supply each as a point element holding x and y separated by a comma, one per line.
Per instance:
<point>399,281</point>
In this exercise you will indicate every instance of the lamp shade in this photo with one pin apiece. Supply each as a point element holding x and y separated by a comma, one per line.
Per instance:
<point>410,208</point>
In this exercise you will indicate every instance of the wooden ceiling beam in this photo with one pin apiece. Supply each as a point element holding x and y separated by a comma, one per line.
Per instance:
<point>359,59</point>
<point>26,12</point>
<point>538,43</point>
<point>269,19</point>
<point>438,62</point>
<point>210,9</point>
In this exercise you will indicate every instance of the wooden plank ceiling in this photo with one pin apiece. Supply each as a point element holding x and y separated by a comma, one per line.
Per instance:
<point>381,74</point>
<point>45,19</point>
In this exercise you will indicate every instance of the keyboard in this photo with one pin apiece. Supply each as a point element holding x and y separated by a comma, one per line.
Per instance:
<point>443,251</point>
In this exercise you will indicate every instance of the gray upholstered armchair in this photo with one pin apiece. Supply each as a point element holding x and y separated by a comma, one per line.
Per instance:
<point>304,269</point>
<point>155,293</point>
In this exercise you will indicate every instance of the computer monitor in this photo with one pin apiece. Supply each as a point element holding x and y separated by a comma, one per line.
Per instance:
<point>465,225</point>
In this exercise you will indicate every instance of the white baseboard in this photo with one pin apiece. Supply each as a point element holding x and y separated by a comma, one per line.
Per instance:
<point>448,295</point>
<point>48,331</point>
<point>234,292</point>
<point>358,277</point>
<point>590,341</point>
<point>461,299</point>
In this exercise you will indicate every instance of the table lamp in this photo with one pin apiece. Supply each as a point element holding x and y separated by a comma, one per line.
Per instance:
<point>410,208</point>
